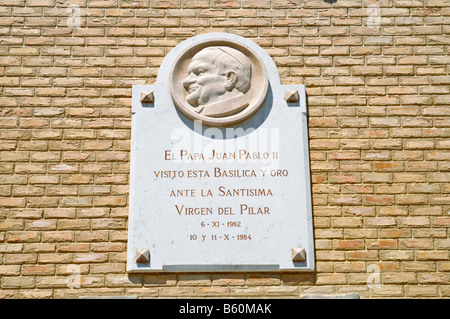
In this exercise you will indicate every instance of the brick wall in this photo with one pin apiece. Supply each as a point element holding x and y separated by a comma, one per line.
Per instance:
<point>378,84</point>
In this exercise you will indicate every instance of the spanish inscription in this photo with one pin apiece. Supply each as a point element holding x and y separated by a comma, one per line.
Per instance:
<point>237,195</point>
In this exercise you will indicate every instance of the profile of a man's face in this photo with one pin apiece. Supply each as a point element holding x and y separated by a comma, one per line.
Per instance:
<point>217,74</point>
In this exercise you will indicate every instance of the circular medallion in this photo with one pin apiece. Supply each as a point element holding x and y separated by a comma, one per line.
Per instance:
<point>219,82</point>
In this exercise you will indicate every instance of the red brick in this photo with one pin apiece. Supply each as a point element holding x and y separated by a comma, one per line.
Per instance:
<point>349,244</point>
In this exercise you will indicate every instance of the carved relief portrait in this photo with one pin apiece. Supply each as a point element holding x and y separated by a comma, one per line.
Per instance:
<point>218,78</point>
<point>218,84</point>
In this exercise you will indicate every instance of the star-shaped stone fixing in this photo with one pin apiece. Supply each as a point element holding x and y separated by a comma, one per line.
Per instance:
<point>291,96</point>
<point>142,256</point>
<point>298,254</point>
<point>147,97</point>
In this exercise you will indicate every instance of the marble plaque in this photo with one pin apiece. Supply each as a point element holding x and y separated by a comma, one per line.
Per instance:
<point>220,177</point>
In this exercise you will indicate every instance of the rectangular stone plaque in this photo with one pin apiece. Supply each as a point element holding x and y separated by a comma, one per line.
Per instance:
<point>221,196</point>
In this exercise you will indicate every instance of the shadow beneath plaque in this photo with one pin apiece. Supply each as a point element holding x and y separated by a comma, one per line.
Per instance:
<point>144,265</point>
<point>135,278</point>
<point>219,267</point>
<point>232,131</point>
<point>148,105</point>
<point>293,104</point>
<point>300,265</point>
<point>303,278</point>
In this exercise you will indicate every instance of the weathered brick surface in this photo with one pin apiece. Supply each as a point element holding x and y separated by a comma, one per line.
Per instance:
<point>377,78</point>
